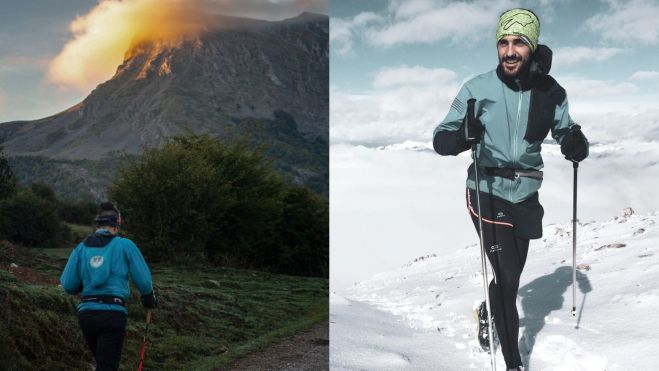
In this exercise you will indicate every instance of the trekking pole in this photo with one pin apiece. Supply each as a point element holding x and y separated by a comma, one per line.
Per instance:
<point>471,117</point>
<point>146,332</point>
<point>575,166</point>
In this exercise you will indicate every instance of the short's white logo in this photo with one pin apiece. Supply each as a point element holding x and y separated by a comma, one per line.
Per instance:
<point>495,248</point>
<point>96,261</point>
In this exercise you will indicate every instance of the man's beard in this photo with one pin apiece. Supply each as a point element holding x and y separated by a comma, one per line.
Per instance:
<point>513,70</point>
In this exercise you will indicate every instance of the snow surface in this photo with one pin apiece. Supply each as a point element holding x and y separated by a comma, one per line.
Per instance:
<point>391,204</point>
<point>419,316</point>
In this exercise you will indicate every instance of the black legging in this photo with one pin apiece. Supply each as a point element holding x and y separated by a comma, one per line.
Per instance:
<point>104,331</point>
<point>507,254</point>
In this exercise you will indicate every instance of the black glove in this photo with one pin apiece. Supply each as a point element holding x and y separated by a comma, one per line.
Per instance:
<point>149,300</point>
<point>475,131</point>
<point>574,145</point>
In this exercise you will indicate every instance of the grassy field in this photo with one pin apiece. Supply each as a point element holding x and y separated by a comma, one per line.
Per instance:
<point>207,318</point>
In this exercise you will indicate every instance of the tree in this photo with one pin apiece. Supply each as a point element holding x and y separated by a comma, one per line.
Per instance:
<point>43,191</point>
<point>80,212</point>
<point>8,181</point>
<point>197,197</point>
<point>31,220</point>
<point>304,233</point>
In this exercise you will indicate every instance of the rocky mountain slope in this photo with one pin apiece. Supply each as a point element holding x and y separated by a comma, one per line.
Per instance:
<point>268,79</point>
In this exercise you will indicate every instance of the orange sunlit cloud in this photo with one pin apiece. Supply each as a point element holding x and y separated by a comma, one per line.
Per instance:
<point>102,36</point>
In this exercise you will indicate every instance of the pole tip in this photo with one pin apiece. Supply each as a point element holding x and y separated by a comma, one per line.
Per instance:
<point>574,311</point>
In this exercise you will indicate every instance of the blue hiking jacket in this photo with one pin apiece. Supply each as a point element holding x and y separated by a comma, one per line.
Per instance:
<point>102,269</point>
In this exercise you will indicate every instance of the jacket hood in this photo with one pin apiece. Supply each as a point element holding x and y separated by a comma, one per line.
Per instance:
<point>99,239</point>
<point>541,61</point>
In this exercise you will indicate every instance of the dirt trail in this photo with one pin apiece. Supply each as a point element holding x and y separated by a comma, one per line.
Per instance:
<point>306,350</point>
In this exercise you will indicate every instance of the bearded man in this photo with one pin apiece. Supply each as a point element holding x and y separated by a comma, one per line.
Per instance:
<point>517,105</point>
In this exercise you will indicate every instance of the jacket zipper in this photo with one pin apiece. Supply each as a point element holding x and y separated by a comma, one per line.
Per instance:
<point>519,112</point>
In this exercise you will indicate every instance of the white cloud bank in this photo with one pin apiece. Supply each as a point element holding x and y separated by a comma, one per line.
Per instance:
<point>645,75</point>
<point>389,207</point>
<point>405,104</point>
<point>579,54</point>
<point>344,31</point>
<point>416,75</point>
<point>587,88</point>
<point>628,21</point>
<point>418,21</point>
<point>426,22</point>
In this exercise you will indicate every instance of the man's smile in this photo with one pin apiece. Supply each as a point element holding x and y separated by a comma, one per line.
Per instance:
<point>511,63</point>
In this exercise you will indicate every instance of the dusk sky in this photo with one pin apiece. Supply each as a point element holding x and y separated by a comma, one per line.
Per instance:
<point>33,33</point>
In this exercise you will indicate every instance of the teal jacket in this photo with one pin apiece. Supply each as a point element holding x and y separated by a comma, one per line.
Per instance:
<point>100,265</point>
<point>514,128</point>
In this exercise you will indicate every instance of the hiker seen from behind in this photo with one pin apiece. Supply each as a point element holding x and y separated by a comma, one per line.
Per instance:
<point>98,268</point>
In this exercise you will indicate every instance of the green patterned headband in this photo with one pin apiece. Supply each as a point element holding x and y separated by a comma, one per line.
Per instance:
<point>520,22</point>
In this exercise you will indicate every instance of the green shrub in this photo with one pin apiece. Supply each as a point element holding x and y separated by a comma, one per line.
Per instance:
<point>8,181</point>
<point>195,197</point>
<point>32,215</point>
<point>304,233</point>
<point>198,198</point>
<point>28,219</point>
<point>43,191</point>
<point>81,212</point>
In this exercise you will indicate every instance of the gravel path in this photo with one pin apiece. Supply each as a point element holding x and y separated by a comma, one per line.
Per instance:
<point>305,351</point>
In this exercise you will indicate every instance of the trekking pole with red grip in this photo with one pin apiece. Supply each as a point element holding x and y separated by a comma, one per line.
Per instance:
<point>146,332</point>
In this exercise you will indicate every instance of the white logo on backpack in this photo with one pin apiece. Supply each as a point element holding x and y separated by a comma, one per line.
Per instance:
<point>96,261</point>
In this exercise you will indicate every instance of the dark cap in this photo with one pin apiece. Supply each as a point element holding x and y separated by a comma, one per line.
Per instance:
<point>108,215</point>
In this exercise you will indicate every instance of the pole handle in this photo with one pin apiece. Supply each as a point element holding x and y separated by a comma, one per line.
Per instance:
<point>471,108</point>
<point>575,129</point>
<point>143,347</point>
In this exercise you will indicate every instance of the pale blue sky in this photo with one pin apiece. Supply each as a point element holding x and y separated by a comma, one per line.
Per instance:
<point>564,24</point>
<point>395,65</point>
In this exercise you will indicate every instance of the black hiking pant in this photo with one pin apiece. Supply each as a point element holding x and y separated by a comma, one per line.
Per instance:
<point>104,331</point>
<point>506,235</point>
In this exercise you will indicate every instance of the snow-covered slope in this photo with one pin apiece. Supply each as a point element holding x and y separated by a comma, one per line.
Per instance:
<point>391,204</point>
<point>420,315</point>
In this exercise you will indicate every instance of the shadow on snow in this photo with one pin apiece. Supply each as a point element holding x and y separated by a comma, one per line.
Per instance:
<point>543,296</point>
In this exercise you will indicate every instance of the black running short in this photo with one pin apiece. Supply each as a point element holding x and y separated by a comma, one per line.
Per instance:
<point>526,216</point>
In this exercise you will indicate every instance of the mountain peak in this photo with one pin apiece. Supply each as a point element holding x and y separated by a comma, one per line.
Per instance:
<point>307,16</point>
<point>228,78</point>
